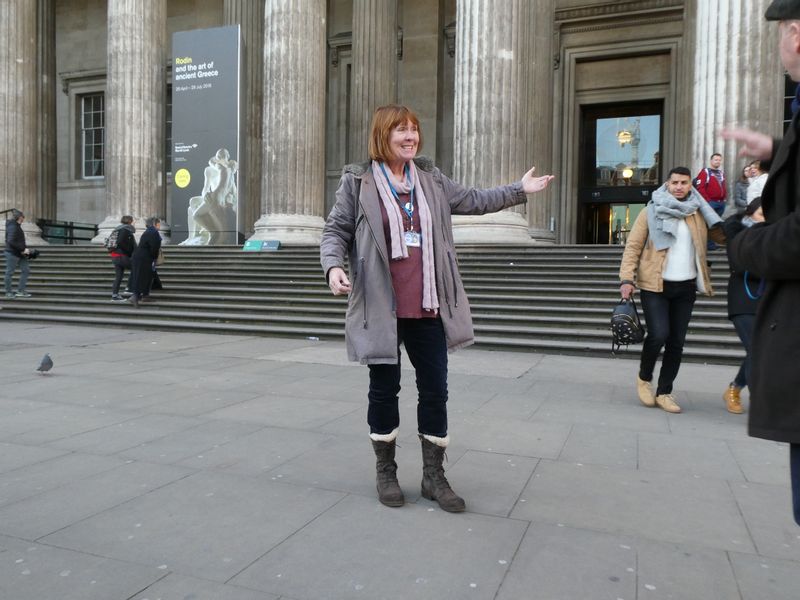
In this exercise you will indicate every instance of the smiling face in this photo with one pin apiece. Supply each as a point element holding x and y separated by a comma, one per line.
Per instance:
<point>404,142</point>
<point>716,161</point>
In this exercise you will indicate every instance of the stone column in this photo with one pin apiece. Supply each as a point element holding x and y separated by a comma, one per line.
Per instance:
<point>736,77</point>
<point>19,145</point>
<point>293,173</point>
<point>46,168</point>
<point>374,79</point>
<point>249,16</point>
<point>503,74</point>
<point>135,99</point>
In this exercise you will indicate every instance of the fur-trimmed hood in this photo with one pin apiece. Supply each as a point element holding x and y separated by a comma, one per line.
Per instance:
<point>358,169</point>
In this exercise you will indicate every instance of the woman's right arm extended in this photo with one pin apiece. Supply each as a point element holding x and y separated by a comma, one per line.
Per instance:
<point>337,236</point>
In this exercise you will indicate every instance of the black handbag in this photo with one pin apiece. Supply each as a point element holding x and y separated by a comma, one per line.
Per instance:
<point>626,328</point>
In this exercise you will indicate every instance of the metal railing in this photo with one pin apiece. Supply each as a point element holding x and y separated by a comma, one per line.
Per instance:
<point>66,232</point>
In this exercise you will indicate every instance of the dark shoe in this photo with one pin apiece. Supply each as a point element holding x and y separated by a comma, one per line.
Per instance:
<point>10,295</point>
<point>117,298</point>
<point>134,299</point>
<point>389,492</point>
<point>434,484</point>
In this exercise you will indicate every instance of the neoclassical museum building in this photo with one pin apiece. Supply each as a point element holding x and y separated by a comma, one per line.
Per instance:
<point>605,94</point>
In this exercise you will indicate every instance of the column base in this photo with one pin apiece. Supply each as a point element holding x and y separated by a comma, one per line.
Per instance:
<point>289,230</point>
<point>33,235</point>
<point>498,228</point>
<point>542,236</point>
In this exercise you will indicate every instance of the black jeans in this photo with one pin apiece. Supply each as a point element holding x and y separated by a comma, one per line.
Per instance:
<point>120,264</point>
<point>426,346</point>
<point>794,461</point>
<point>667,317</point>
<point>744,328</point>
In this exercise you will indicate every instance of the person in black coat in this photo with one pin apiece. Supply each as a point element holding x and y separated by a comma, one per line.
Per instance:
<point>143,258</point>
<point>122,253</point>
<point>772,250</point>
<point>743,293</point>
<point>16,254</point>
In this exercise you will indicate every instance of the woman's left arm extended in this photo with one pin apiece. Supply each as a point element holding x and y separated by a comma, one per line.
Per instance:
<point>474,201</point>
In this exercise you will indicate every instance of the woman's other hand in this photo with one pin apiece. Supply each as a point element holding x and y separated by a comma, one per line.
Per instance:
<point>531,184</point>
<point>338,281</point>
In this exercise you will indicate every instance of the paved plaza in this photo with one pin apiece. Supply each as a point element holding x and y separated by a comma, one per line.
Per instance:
<point>156,465</point>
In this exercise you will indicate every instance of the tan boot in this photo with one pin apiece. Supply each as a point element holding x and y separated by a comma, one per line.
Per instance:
<point>434,484</point>
<point>667,402</point>
<point>733,399</point>
<point>645,391</point>
<point>389,492</point>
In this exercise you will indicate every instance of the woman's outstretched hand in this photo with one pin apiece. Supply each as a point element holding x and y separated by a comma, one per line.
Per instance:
<point>531,184</point>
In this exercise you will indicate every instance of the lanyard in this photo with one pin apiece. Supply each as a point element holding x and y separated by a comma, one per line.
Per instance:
<point>408,207</point>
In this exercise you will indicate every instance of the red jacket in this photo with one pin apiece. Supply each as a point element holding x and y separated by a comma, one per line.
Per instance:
<point>710,188</point>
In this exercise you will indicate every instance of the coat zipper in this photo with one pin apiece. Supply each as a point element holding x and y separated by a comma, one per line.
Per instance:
<point>453,276</point>
<point>364,300</point>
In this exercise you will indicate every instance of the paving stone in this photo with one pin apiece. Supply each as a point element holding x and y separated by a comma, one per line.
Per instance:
<point>767,510</point>
<point>180,445</point>
<point>506,436</point>
<point>14,456</point>
<point>633,416</point>
<point>708,423</point>
<point>191,588</point>
<point>50,474</point>
<point>57,422</point>
<point>197,525</point>
<point>511,406</point>
<point>52,510</point>
<point>125,435</point>
<point>490,483</point>
<point>33,571</point>
<point>416,553</point>
<point>285,411</point>
<point>257,452</point>
<point>760,578</point>
<point>762,461</point>
<point>687,454</point>
<point>660,506</point>
<point>597,445</point>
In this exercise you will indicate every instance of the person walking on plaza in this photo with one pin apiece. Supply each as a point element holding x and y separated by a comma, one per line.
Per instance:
<point>743,294</point>
<point>393,218</point>
<point>121,251</point>
<point>144,256</point>
<point>665,257</point>
<point>17,254</point>
<point>772,250</point>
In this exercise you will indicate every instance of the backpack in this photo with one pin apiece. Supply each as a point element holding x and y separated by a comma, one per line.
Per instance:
<point>626,328</point>
<point>112,240</point>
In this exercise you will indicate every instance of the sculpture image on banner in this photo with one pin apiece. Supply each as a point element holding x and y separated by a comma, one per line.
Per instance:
<point>212,215</point>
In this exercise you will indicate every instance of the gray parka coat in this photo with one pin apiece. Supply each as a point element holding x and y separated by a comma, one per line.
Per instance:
<point>355,228</point>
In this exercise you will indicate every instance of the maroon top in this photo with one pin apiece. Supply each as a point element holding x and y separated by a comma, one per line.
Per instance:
<point>406,272</point>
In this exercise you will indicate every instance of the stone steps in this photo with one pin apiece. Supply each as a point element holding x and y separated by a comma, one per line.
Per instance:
<point>549,299</point>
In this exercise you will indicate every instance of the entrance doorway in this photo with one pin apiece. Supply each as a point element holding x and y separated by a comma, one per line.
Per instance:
<point>619,166</point>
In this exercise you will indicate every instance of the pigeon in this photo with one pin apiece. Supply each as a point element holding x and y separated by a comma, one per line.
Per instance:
<point>46,364</point>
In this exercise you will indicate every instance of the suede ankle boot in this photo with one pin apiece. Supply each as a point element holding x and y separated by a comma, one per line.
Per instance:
<point>389,492</point>
<point>434,484</point>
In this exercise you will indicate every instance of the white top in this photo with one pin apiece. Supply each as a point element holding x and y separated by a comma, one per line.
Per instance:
<point>681,263</point>
<point>756,186</point>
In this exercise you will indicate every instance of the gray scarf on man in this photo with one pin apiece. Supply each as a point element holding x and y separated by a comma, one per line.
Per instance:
<point>664,212</point>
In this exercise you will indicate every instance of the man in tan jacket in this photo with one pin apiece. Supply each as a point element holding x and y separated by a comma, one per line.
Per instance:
<point>665,257</point>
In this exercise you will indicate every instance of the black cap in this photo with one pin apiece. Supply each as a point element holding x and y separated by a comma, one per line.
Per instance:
<point>16,214</point>
<point>783,10</point>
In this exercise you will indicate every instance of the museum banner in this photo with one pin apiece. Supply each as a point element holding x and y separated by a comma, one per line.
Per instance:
<point>203,206</point>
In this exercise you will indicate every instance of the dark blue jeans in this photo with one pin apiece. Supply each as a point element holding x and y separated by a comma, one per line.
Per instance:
<point>794,461</point>
<point>744,328</point>
<point>425,343</point>
<point>667,317</point>
<point>719,208</point>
